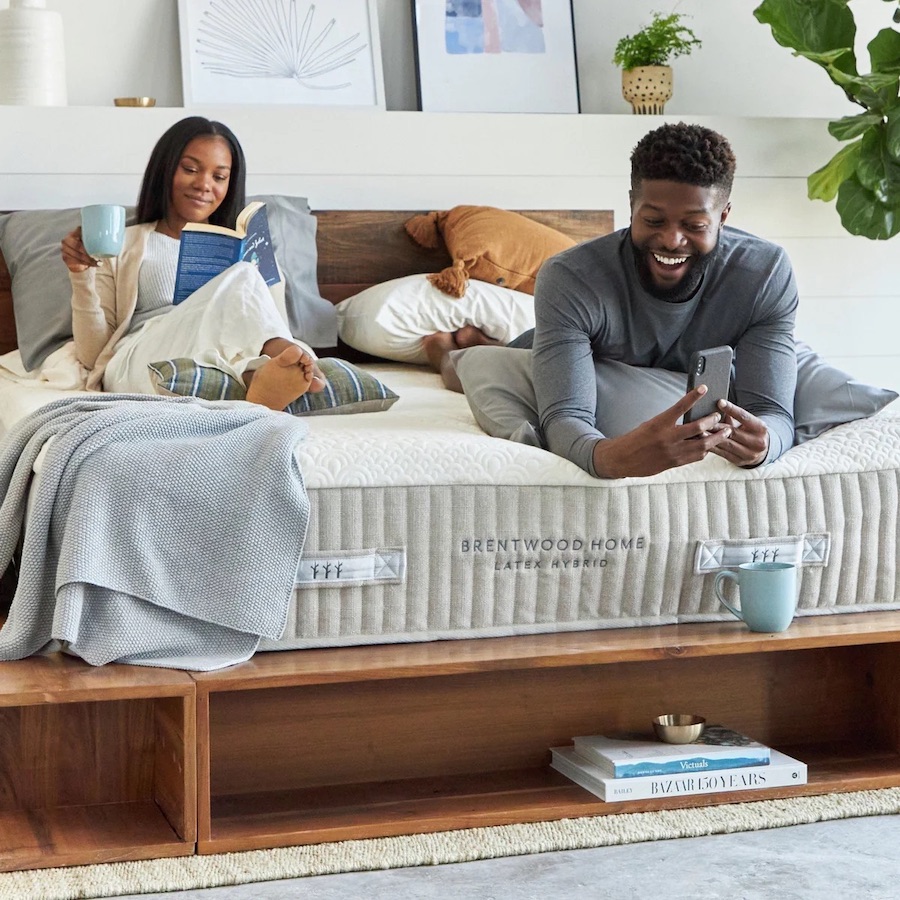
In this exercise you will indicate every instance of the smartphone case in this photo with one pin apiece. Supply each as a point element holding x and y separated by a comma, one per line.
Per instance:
<point>713,368</point>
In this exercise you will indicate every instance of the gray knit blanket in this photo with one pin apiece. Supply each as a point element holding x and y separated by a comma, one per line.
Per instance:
<point>161,532</point>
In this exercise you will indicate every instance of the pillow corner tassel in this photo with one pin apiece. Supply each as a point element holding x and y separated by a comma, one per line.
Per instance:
<point>453,280</point>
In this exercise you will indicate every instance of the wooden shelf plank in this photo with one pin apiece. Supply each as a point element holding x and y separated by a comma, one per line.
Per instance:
<point>83,835</point>
<point>60,678</point>
<point>350,812</point>
<point>346,664</point>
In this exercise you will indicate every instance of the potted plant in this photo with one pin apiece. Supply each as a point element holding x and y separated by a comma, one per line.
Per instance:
<point>864,175</point>
<point>644,60</point>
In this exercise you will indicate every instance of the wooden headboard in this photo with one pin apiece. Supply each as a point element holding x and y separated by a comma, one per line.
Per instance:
<point>7,321</point>
<point>359,248</point>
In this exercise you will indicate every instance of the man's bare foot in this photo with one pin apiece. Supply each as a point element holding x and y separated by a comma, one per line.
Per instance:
<point>470,336</point>
<point>437,346</point>
<point>282,379</point>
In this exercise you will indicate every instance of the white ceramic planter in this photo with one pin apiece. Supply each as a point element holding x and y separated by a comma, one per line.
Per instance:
<point>32,55</point>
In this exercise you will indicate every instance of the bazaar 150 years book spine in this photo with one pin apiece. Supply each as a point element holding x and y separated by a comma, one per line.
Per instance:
<point>782,771</point>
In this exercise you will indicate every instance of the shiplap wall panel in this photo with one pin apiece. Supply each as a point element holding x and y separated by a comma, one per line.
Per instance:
<point>317,141</point>
<point>834,324</point>
<point>776,208</point>
<point>850,267</point>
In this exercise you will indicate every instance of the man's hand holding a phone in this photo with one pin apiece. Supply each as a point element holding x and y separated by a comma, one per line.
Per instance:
<point>749,439</point>
<point>711,424</point>
<point>748,442</point>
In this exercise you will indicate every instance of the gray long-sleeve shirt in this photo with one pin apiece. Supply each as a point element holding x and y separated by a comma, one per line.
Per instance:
<point>590,305</point>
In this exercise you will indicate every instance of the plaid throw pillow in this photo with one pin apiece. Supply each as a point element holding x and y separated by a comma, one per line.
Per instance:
<point>348,389</point>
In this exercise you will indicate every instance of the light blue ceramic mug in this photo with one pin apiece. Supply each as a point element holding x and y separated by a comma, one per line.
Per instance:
<point>768,594</point>
<point>103,229</point>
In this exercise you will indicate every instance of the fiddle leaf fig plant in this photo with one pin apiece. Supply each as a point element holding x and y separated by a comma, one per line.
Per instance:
<point>655,44</point>
<point>864,176</point>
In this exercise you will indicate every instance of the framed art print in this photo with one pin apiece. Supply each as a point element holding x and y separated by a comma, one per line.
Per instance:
<point>305,52</point>
<point>495,56</point>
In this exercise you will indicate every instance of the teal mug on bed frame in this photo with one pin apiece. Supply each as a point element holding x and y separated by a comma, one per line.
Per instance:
<point>768,594</point>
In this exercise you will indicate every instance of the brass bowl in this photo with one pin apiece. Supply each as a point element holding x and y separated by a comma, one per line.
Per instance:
<point>678,728</point>
<point>135,101</point>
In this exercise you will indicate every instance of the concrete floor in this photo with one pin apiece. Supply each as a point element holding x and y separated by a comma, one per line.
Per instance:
<point>854,858</point>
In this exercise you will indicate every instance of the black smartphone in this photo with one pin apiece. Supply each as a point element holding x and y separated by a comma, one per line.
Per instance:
<point>713,368</point>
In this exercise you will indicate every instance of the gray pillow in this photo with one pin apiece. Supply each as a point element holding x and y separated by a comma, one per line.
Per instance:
<point>826,396</point>
<point>42,293</point>
<point>498,386</point>
<point>312,318</point>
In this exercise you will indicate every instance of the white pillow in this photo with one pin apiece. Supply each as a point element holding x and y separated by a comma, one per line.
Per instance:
<point>390,319</point>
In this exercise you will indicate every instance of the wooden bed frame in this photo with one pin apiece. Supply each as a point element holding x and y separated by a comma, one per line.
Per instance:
<point>294,747</point>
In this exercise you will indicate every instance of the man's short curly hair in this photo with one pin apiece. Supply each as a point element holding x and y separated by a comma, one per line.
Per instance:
<point>690,154</point>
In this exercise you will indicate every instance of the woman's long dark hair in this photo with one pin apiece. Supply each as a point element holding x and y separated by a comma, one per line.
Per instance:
<point>156,188</point>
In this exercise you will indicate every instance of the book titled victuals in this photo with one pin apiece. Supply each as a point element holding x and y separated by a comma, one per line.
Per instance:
<point>207,250</point>
<point>629,756</point>
<point>782,771</point>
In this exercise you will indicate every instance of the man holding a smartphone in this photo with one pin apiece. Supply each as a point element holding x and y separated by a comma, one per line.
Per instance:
<point>675,283</point>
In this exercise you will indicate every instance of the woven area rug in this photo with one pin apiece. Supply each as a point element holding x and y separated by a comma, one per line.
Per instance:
<point>158,875</point>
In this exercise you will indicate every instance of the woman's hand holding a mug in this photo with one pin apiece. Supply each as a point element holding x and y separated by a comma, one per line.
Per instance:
<point>76,258</point>
<point>102,234</point>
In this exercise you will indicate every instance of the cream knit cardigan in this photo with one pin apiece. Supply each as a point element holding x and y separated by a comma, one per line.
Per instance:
<point>104,300</point>
<point>103,303</point>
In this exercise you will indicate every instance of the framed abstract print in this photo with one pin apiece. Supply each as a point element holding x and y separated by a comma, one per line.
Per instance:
<point>496,56</point>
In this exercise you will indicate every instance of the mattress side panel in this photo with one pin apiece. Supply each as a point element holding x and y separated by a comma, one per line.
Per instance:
<point>486,560</point>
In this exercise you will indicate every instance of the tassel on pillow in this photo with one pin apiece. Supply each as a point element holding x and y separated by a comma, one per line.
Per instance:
<point>453,280</point>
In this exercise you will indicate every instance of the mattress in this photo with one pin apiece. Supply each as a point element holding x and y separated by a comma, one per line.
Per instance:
<point>423,527</point>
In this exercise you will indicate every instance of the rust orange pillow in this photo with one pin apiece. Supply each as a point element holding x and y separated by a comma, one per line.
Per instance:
<point>488,244</point>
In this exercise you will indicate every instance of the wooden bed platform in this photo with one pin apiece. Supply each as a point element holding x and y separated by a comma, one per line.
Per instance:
<point>298,747</point>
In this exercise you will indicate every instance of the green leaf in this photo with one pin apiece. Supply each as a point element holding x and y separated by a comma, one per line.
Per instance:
<point>823,184</point>
<point>892,133</point>
<point>876,91</point>
<point>862,214</point>
<point>853,126</point>
<point>663,39</point>
<point>884,51</point>
<point>812,26</point>
<point>864,176</point>
<point>876,169</point>
<point>829,58</point>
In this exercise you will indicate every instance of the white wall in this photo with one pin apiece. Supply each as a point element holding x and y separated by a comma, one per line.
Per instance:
<point>121,48</point>
<point>339,158</point>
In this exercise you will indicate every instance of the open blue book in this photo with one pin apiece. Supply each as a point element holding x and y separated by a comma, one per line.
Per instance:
<point>208,250</point>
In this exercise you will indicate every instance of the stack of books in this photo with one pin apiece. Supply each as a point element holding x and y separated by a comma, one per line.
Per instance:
<point>640,768</point>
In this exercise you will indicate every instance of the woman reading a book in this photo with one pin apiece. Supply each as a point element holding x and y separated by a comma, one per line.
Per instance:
<point>122,313</point>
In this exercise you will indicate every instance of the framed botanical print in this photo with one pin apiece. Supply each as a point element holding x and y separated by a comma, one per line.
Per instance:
<point>496,56</point>
<point>305,52</point>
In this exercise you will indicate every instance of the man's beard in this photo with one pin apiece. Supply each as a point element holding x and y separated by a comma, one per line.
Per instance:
<point>686,288</point>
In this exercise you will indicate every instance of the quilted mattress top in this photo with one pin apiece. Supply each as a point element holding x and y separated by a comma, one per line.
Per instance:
<point>429,436</point>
